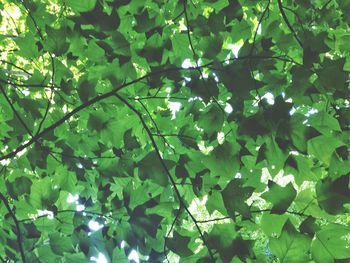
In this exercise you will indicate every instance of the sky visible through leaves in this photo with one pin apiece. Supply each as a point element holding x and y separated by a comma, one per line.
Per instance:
<point>174,131</point>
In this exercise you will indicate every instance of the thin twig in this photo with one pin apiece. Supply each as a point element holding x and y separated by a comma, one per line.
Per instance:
<point>91,213</point>
<point>297,16</point>
<point>15,66</point>
<point>171,229</point>
<point>36,85</point>
<point>182,202</point>
<point>154,123</point>
<point>86,104</point>
<point>254,212</point>
<point>159,97</point>
<point>15,111</point>
<point>102,97</point>
<point>18,230</point>
<point>285,18</point>
<point>253,47</point>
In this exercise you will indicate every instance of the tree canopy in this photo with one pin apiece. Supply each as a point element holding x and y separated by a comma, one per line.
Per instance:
<point>174,131</point>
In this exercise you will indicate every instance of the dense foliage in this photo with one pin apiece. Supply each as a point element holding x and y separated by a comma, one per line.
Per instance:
<point>166,131</point>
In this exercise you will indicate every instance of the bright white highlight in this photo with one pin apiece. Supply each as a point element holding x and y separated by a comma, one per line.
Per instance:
<point>100,258</point>
<point>94,226</point>
<point>72,198</point>
<point>134,256</point>
<point>269,98</point>
<point>228,108</point>
<point>187,63</point>
<point>80,208</point>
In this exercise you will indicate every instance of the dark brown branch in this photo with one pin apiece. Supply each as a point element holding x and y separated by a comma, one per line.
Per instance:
<point>46,110</point>
<point>189,34</point>
<point>288,212</point>
<point>285,18</point>
<point>102,97</point>
<point>82,157</point>
<point>213,219</point>
<point>15,66</point>
<point>18,230</point>
<point>254,212</point>
<point>91,213</point>
<point>253,47</point>
<point>15,111</point>
<point>24,85</point>
<point>98,98</point>
<point>196,61</point>
<point>52,68</point>
<point>154,123</point>
<point>159,97</point>
<point>171,229</point>
<point>182,203</point>
<point>174,135</point>
<point>32,18</point>
<point>257,28</point>
<point>297,16</point>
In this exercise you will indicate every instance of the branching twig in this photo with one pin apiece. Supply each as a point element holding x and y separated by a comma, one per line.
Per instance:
<point>92,213</point>
<point>171,229</point>
<point>15,111</point>
<point>94,100</point>
<point>159,97</point>
<point>82,157</point>
<point>254,212</point>
<point>174,135</point>
<point>253,47</point>
<point>105,96</point>
<point>154,144</point>
<point>154,123</point>
<point>18,230</point>
<point>297,16</point>
<point>52,67</point>
<point>15,66</point>
<point>285,18</point>
<point>35,85</point>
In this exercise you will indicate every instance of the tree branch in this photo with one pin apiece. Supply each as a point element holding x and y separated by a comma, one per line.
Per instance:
<point>15,66</point>
<point>182,203</point>
<point>94,100</point>
<point>91,213</point>
<point>15,111</point>
<point>253,47</point>
<point>19,234</point>
<point>101,97</point>
<point>285,18</point>
<point>171,229</point>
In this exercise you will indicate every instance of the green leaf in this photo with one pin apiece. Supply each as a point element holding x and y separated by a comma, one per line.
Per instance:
<point>212,120</point>
<point>272,224</point>
<point>179,244</point>
<point>330,244</point>
<point>222,161</point>
<point>56,41</point>
<point>86,89</point>
<point>322,147</point>
<point>20,186</point>
<point>290,246</point>
<point>280,197</point>
<point>333,194</point>
<point>234,196</point>
<point>60,244</point>
<point>43,193</point>
<point>81,6</point>
<point>236,98</point>
<point>150,167</point>
<point>119,256</point>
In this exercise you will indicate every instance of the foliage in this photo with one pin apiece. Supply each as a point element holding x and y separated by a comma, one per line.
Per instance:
<point>191,131</point>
